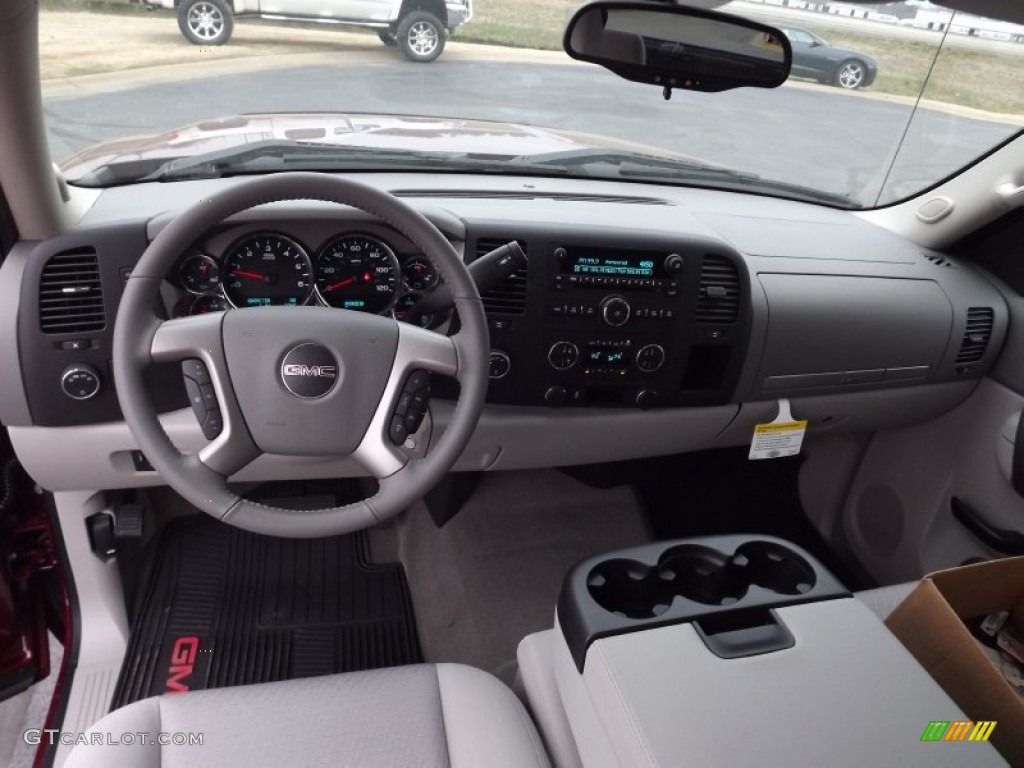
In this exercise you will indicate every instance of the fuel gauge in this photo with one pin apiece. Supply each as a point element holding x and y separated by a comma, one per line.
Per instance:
<point>199,273</point>
<point>209,302</point>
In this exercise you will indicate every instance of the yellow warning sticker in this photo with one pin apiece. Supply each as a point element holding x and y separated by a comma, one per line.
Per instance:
<point>782,437</point>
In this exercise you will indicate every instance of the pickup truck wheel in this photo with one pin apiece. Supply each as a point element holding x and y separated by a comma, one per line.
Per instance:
<point>421,36</point>
<point>205,22</point>
<point>387,37</point>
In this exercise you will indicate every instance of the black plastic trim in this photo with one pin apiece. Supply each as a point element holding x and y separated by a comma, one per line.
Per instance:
<point>1005,542</point>
<point>8,228</point>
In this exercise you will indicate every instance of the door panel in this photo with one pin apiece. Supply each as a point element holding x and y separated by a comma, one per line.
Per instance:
<point>359,10</point>
<point>291,7</point>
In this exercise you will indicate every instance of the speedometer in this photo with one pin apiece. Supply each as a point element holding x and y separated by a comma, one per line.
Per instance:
<point>267,268</point>
<point>358,272</point>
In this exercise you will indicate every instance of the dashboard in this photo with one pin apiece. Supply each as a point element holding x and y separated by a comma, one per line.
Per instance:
<point>648,319</point>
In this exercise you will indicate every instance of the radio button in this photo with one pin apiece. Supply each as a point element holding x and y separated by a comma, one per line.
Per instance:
<point>563,355</point>
<point>650,358</point>
<point>615,310</point>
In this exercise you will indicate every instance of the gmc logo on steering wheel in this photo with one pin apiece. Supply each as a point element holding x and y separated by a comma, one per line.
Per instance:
<point>326,371</point>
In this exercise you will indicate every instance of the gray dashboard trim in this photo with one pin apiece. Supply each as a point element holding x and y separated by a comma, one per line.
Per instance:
<point>506,437</point>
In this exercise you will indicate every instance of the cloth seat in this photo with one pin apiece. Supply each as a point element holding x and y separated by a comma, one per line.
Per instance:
<point>434,716</point>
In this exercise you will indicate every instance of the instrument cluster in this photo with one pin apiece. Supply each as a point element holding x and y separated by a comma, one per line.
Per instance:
<point>353,271</point>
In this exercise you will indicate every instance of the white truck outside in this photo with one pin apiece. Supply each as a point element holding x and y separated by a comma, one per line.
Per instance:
<point>417,27</point>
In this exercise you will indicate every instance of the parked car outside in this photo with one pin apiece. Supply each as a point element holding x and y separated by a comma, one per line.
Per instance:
<point>814,57</point>
<point>417,27</point>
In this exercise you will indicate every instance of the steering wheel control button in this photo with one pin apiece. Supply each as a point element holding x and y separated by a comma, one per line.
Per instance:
<point>615,311</point>
<point>309,371</point>
<point>563,355</point>
<point>195,370</point>
<point>650,358</point>
<point>209,397</point>
<point>499,365</point>
<point>411,407</point>
<point>212,424</point>
<point>80,382</point>
<point>397,431</point>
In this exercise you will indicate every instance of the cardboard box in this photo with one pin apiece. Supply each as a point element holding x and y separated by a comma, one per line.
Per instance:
<point>930,624</point>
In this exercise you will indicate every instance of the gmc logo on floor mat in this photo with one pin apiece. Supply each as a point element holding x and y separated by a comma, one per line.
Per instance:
<point>183,663</point>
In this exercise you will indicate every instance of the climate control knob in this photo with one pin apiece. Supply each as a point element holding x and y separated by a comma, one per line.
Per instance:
<point>556,396</point>
<point>615,310</point>
<point>650,358</point>
<point>563,355</point>
<point>646,398</point>
<point>499,365</point>
<point>80,381</point>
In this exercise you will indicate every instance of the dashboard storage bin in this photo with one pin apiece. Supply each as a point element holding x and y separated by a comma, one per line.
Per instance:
<point>728,584</point>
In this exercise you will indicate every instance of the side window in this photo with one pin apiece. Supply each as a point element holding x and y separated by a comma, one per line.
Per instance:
<point>797,36</point>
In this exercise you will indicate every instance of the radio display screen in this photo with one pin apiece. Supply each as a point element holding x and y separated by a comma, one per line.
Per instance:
<point>603,262</point>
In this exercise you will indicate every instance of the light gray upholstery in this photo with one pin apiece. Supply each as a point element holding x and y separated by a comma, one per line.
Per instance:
<point>403,717</point>
<point>883,601</point>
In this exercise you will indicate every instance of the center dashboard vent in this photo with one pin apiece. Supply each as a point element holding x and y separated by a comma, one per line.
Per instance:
<point>509,298</point>
<point>976,335</point>
<point>71,294</point>
<point>718,298</point>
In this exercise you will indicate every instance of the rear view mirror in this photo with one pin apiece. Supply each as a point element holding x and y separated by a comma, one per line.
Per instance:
<point>678,47</point>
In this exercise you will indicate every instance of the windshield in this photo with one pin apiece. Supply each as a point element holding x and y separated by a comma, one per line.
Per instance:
<point>883,100</point>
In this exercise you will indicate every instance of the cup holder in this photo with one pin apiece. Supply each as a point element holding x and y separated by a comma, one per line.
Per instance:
<point>701,574</point>
<point>775,567</point>
<point>628,588</point>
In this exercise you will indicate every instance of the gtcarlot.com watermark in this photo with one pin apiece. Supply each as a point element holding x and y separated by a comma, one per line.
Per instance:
<point>52,737</point>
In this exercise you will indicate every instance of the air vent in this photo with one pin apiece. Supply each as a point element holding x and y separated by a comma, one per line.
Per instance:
<point>718,299</point>
<point>509,298</point>
<point>70,293</point>
<point>937,260</point>
<point>976,335</point>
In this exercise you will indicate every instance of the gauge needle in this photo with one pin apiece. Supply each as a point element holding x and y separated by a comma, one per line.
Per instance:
<point>241,273</point>
<point>340,284</point>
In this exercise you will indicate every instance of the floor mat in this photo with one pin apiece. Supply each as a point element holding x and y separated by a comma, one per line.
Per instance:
<point>225,607</point>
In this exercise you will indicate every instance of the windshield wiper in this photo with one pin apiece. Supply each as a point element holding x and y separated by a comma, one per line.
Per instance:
<point>605,163</point>
<point>272,156</point>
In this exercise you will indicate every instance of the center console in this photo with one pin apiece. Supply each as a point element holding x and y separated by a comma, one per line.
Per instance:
<point>729,650</point>
<point>642,323</point>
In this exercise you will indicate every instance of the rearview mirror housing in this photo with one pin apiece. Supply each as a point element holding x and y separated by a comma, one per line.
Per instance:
<point>677,46</point>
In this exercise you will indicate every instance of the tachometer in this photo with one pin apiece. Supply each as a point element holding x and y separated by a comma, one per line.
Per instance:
<point>358,272</point>
<point>267,268</point>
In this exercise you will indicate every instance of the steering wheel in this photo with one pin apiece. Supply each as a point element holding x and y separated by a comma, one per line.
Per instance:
<point>299,381</point>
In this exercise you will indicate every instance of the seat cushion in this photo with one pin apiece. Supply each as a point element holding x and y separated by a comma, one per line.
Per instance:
<point>885,599</point>
<point>422,715</point>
